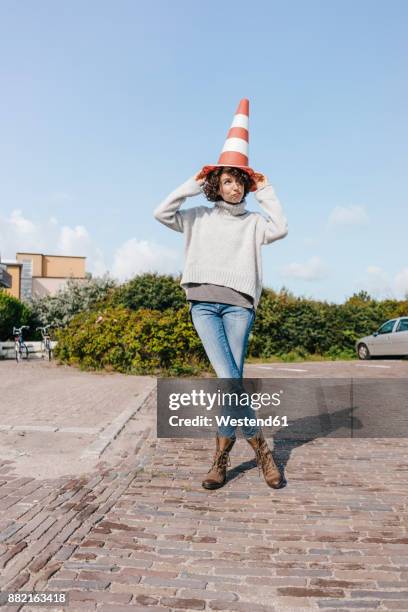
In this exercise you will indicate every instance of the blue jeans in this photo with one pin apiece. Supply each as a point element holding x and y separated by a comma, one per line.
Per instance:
<point>224,331</point>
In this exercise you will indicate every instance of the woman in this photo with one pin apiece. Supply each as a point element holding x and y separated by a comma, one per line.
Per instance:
<point>222,276</point>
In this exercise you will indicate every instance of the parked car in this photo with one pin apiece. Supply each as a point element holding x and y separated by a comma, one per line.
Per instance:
<point>390,339</point>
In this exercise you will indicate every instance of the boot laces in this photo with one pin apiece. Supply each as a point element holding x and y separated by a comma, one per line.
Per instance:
<point>260,458</point>
<point>263,459</point>
<point>221,460</point>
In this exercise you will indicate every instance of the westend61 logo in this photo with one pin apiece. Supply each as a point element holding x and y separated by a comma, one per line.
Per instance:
<point>235,408</point>
<point>221,398</point>
<point>288,408</point>
<point>191,408</point>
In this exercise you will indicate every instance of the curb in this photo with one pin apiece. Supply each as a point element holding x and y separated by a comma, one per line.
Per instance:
<point>110,432</point>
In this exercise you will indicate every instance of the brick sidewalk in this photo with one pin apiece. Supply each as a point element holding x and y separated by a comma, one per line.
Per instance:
<point>55,420</point>
<point>144,535</point>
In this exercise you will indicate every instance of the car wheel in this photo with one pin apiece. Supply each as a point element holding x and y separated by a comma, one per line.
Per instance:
<point>363,352</point>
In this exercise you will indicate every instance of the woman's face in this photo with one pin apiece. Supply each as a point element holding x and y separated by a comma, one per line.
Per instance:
<point>230,188</point>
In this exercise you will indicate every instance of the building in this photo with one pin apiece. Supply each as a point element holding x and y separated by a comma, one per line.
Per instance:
<point>35,275</point>
<point>5,277</point>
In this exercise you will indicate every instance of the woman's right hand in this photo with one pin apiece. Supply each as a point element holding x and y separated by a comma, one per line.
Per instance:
<point>200,179</point>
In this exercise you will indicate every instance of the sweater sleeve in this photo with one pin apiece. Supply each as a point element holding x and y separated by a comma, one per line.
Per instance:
<point>274,225</point>
<point>168,211</point>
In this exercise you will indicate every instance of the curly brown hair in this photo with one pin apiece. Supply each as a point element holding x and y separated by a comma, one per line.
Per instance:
<point>212,181</point>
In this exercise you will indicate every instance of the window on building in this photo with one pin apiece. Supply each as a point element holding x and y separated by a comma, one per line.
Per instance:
<point>27,279</point>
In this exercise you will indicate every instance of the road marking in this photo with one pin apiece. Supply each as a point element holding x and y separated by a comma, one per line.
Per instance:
<point>365,365</point>
<point>292,369</point>
<point>283,369</point>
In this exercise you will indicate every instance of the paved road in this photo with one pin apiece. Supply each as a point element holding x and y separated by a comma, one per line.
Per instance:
<point>375,368</point>
<point>53,418</point>
<point>138,532</point>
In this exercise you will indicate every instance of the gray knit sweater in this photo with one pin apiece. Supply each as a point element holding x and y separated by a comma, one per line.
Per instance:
<point>223,243</point>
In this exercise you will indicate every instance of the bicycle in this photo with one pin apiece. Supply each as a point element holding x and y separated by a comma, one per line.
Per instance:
<point>19,344</point>
<point>45,342</point>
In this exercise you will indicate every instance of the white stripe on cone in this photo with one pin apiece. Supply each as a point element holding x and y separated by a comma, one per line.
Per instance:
<point>240,121</point>
<point>239,145</point>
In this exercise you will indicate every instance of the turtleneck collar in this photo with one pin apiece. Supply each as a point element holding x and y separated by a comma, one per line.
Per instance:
<point>234,210</point>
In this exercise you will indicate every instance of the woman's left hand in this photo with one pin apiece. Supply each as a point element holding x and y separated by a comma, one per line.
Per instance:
<point>261,180</point>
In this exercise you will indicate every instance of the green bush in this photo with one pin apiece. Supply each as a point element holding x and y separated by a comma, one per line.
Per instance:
<point>289,325</point>
<point>138,342</point>
<point>153,291</point>
<point>13,313</point>
<point>77,296</point>
<point>143,326</point>
<point>286,324</point>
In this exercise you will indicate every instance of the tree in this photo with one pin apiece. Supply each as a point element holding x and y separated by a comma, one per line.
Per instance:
<point>150,290</point>
<point>13,313</point>
<point>75,297</point>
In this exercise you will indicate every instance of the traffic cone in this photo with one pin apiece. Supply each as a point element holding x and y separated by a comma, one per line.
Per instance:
<point>235,151</point>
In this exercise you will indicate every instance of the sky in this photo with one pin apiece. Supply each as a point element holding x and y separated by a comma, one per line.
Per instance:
<point>106,107</point>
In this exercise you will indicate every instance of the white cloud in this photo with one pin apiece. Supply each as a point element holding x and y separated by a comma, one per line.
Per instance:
<point>348,216</point>
<point>77,241</point>
<point>401,283</point>
<point>137,256</point>
<point>18,233</point>
<point>71,238</point>
<point>381,285</point>
<point>377,283</point>
<point>20,224</point>
<point>312,269</point>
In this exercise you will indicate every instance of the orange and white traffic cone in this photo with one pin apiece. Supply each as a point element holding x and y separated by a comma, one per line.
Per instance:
<point>235,151</point>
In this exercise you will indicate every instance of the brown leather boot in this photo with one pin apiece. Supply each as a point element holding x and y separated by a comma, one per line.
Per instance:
<point>265,461</point>
<point>218,472</point>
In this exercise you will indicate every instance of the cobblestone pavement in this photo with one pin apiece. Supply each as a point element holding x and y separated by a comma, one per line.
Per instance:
<point>139,532</point>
